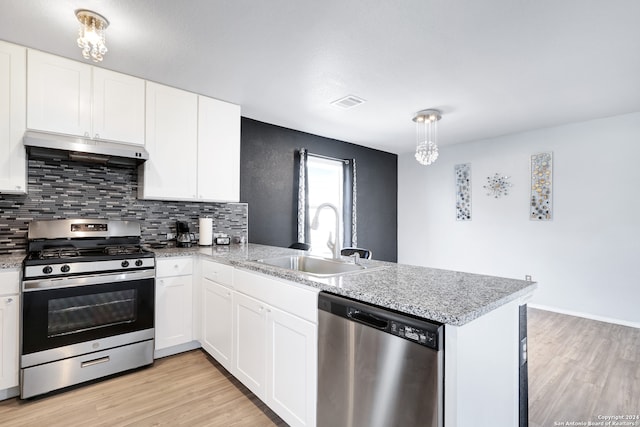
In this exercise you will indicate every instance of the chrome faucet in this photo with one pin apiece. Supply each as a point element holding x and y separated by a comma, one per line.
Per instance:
<point>336,245</point>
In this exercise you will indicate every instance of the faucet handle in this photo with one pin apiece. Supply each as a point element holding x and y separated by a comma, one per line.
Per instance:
<point>330,243</point>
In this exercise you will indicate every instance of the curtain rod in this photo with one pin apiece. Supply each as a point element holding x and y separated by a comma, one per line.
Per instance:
<point>347,161</point>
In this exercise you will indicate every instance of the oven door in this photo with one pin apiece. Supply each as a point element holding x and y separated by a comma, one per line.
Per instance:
<point>69,316</point>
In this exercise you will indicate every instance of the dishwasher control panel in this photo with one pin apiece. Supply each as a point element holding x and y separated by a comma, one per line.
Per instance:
<point>419,331</point>
<point>420,336</point>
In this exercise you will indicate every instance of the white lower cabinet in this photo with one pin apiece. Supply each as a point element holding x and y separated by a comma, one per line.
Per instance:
<point>264,331</point>
<point>174,302</point>
<point>250,331</point>
<point>9,328</point>
<point>292,370</point>
<point>217,312</point>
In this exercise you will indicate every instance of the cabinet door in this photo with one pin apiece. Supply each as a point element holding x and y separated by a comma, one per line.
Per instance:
<point>217,322</point>
<point>218,150</point>
<point>171,140</point>
<point>173,324</point>
<point>251,342</point>
<point>118,107</point>
<point>58,94</point>
<point>292,369</point>
<point>13,160</point>
<point>8,341</point>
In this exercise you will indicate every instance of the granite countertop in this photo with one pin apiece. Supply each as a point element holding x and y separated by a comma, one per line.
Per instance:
<point>449,297</point>
<point>8,261</point>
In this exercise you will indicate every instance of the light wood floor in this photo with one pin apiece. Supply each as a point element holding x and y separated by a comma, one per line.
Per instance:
<point>578,369</point>
<point>190,389</point>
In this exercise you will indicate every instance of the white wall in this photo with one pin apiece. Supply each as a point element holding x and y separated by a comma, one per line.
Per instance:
<point>585,260</point>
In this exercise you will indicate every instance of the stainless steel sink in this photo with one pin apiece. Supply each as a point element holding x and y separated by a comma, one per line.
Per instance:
<point>317,266</point>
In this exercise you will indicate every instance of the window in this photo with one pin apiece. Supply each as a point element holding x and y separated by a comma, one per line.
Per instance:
<point>321,180</point>
<point>325,180</point>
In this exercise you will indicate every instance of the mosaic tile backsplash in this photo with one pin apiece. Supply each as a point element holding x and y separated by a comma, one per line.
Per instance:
<point>59,188</point>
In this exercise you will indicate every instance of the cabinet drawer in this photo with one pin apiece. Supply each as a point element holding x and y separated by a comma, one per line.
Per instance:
<point>293,298</point>
<point>219,273</point>
<point>174,267</point>
<point>9,282</point>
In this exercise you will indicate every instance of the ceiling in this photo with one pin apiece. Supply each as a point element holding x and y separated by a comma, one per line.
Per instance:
<point>493,67</point>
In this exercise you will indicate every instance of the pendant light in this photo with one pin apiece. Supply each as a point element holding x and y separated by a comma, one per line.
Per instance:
<point>426,136</point>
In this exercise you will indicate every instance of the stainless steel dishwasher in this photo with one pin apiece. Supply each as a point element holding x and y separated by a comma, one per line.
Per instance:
<point>377,367</point>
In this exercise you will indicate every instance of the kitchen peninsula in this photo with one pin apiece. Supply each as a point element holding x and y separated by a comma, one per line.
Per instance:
<point>480,314</point>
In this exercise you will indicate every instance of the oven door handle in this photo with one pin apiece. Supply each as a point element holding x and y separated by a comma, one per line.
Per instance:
<point>86,280</point>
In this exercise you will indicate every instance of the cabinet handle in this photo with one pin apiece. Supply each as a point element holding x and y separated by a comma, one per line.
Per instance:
<point>97,135</point>
<point>9,300</point>
<point>86,134</point>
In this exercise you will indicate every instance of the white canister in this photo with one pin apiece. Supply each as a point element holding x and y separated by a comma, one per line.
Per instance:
<point>206,232</point>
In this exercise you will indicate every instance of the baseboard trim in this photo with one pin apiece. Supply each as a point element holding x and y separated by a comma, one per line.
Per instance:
<point>181,348</point>
<point>586,315</point>
<point>9,393</point>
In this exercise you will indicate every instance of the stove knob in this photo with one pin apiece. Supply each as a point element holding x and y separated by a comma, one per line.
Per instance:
<point>65,268</point>
<point>138,263</point>
<point>47,269</point>
<point>125,264</point>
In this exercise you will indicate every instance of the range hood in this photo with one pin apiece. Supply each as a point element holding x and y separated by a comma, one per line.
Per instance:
<point>42,144</point>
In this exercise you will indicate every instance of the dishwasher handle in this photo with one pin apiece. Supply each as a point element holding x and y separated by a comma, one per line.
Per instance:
<point>367,318</point>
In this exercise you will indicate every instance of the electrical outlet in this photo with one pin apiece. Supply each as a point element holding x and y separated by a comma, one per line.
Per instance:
<point>527,278</point>
<point>170,236</point>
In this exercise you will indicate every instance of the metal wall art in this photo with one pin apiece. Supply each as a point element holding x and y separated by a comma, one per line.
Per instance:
<point>463,192</point>
<point>497,185</point>
<point>541,187</point>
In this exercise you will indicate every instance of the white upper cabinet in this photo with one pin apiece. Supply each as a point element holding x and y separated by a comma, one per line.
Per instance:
<point>172,143</point>
<point>118,107</point>
<point>218,150</point>
<point>69,97</point>
<point>194,147</point>
<point>58,94</point>
<point>13,160</point>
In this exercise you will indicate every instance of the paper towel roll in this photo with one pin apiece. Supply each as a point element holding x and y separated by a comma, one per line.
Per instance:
<point>206,232</point>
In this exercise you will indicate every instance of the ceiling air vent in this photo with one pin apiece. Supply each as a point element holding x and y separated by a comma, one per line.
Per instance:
<point>348,101</point>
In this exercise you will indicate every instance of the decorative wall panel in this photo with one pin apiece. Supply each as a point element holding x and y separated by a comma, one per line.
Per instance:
<point>541,187</point>
<point>463,192</point>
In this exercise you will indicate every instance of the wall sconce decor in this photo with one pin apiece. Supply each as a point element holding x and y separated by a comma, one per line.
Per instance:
<point>497,185</point>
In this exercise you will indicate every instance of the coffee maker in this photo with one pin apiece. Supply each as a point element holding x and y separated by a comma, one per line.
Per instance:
<point>184,239</point>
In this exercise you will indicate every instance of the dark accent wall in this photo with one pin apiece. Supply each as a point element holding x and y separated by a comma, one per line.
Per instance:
<point>269,184</point>
<point>59,188</point>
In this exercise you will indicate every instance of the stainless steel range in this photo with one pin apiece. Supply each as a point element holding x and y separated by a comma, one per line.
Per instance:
<point>88,303</point>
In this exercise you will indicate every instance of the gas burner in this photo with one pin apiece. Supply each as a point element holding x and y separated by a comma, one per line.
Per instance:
<point>121,250</point>
<point>58,253</point>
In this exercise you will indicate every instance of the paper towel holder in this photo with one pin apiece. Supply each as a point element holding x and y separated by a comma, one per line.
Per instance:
<point>205,226</point>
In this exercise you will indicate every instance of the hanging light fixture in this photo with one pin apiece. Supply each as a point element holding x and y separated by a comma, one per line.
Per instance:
<point>91,34</point>
<point>427,135</point>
